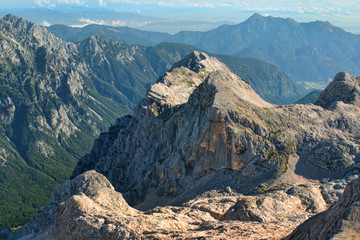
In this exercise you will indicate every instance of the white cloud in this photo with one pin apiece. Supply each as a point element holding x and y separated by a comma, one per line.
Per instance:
<point>118,23</point>
<point>185,4</point>
<point>87,21</point>
<point>43,3</point>
<point>45,23</point>
<point>77,2</point>
<point>102,3</point>
<point>53,3</point>
<point>258,4</point>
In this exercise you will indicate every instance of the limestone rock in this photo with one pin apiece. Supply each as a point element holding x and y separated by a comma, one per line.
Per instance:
<point>89,208</point>
<point>89,185</point>
<point>344,88</point>
<point>340,221</point>
<point>310,196</point>
<point>277,206</point>
<point>331,190</point>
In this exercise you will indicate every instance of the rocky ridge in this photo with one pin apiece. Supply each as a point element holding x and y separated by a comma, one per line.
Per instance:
<point>226,163</point>
<point>199,125</point>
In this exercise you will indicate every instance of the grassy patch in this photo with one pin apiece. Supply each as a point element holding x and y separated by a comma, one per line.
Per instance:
<point>312,85</point>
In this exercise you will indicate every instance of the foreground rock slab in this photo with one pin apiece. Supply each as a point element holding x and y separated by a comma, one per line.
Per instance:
<point>340,221</point>
<point>88,207</point>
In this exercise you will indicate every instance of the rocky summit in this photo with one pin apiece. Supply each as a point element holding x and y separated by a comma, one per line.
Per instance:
<point>205,157</point>
<point>201,127</point>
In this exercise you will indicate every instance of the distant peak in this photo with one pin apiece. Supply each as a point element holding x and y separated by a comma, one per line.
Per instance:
<point>255,17</point>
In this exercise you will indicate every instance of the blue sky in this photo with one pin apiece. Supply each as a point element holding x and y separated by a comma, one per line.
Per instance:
<point>344,13</point>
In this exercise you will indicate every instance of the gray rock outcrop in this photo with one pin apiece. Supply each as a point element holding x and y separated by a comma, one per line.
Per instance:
<point>344,88</point>
<point>201,127</point>
<point>340,221</point>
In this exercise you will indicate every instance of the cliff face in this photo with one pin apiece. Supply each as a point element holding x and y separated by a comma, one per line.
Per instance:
<point>202,127</point>
<point>227,164</point>
<point>340,221</point>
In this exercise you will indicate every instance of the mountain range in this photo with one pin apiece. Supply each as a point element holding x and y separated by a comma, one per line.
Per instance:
<point>56,97</point>
<point>80,17</point>
<point>205,157</point>
<point>50,114</point>
<point>308,52</point>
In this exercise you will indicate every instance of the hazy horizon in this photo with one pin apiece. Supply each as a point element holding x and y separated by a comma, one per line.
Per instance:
<point>344,14</point>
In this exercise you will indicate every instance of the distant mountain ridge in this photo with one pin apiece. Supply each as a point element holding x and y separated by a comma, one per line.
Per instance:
<point>312,52</point>
<point>307,52</point>
<point>123,34</point>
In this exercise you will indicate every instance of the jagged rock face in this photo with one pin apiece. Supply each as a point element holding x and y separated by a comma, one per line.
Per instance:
<point>340,221</point>
<point>202,127</point>
<point>51,70</point>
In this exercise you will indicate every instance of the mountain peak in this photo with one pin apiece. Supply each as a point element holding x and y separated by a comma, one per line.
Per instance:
<point>12,18</point>
<point>179,82</point>
<point>344,88</point>
<point>196,61</point>
<point>175,87</point>
<point>255,16</point>
<point>30,34</point>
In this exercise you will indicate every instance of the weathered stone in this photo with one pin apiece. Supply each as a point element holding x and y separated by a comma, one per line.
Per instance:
<point>88,207</point>
<point>340,221</point>
<point>344,88</point>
